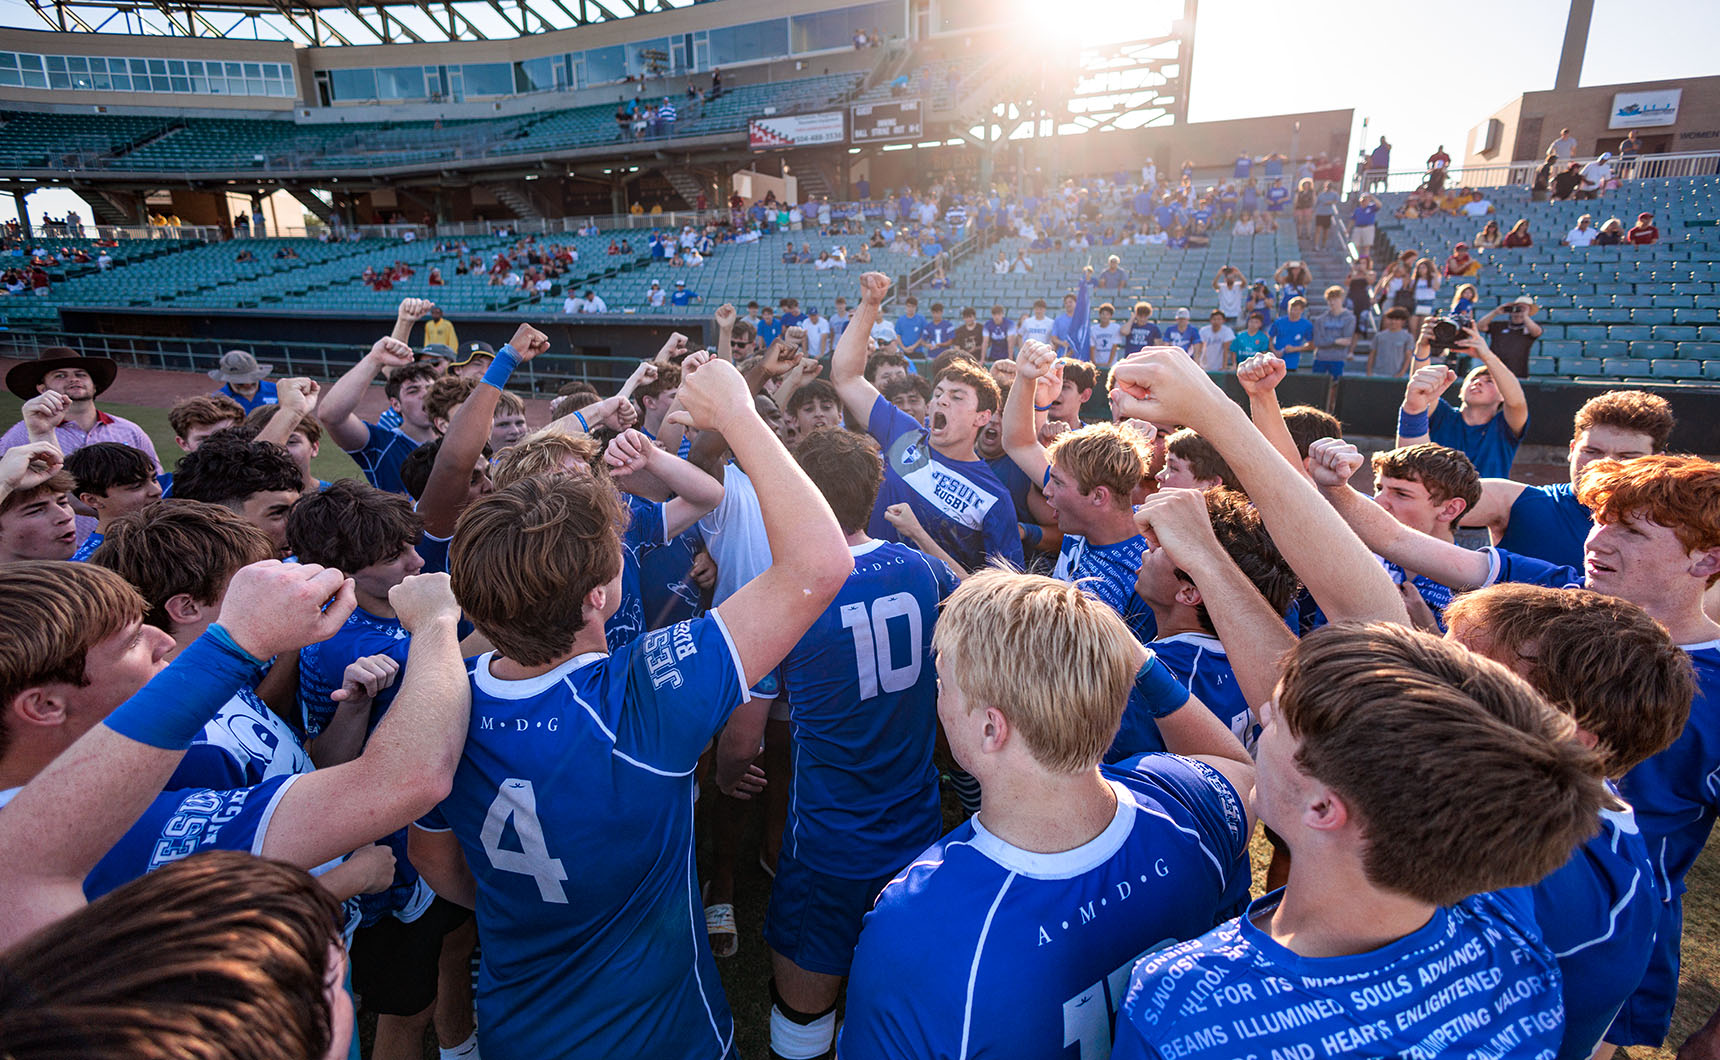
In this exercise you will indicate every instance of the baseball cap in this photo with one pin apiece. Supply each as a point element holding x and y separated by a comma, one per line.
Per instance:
<point>469,350</point>
<point>435,349</point>
<point>1182,314</point>
<point>654,283</point>
<point>1645,213</point>
<point>1523,299</point>
<point>1461,246</point>
<point>680,283</point>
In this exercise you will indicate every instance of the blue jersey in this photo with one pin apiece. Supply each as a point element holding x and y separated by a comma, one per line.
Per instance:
<point>1181,336</point>
<point>1437,597</point>
<point>1548,523</point>
<point>1137,337</point>
<point>1200,664</point>
<point>245,743</point>
<point>1598,914</point>
<point>1285,333</point>
<point>1492,446</point>
<point>573,803</point>
<point>645,532</point>
<point>909,328</point>
<point>665,593</point>
<point>863,701</point>
<point>1015,483</point>
<point>982,949</point>
<point>997,333</point>
<point>381,457</point>
<point>961,503</point>
<point>1108,573</point>
<point>322,667</point>
<point>1476,981</point>
<point>90,544</point>
<point>1155,693</point>
<point>179,824</point>
<point>938,334</point>
<point>434,552</point>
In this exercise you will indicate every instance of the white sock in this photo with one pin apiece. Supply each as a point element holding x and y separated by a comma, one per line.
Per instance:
<point>466,1050</point>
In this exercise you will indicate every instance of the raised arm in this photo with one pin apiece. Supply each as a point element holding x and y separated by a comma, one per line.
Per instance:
<point>1424,387</point>
<point>43,413</point>
<point>408,763</point>
<point>297,399</point>
<point>1260,376</point>
<point>446,491</point>
<point>338,408</point>
<point>848,363</point>
<point>1039,379</point>
<point>1165,385</point>
<point>1516,408</point>
<point>411,311</point>
<point>1334,462</point>
<point>1493,510</point>
<point>694,493</point>
<point>73,812</point>
<point>725,318</point>
<point>768,615</point>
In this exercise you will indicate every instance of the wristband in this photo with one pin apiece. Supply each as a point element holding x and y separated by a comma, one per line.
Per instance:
<point>1031,534</point>
<point>173,707</point>
<point>1157,689</point>
<point>501,368</point>
<point>1044,408</point>
<point>580,416</point>
<point>1411,424</point>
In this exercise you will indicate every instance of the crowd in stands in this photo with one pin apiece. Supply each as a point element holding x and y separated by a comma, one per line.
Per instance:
<point>275,749</point>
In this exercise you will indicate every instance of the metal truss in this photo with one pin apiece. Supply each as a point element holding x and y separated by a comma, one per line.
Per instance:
<point>322,23</point>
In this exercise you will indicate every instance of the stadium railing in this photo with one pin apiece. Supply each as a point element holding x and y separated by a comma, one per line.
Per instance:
<point>1644,167</point>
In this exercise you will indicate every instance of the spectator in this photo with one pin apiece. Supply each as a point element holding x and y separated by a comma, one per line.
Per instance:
<point>1334,334</point>
<point>1114,278</point>
<point>1215,340</point>
<point>684,296</point>
<point>1251,340</point>
<point>1478,205</point>
<point>1567,182</point>
<point>1564,147</point>
<point>1460,263</point>
<point>1424,282</point>
<point>1325,202</point>
<point>1293,280</point>
<point>1543,178</point>
<point>1182,335</point>
<point>245,382</point>
<point>1643,232</point>
<point>1489,423</point>
<point>1583,234</point>
<point>655,295</point>
<point>1393,344</point>
<point>1232,288</point>
<point>1511,333</point>
<point>1611,233</point>
<point>1437,166</point>
<point>1488,238</point>
<point>1519,235</point>
<point>1291,336</point>
<point>1596,176</point>
<point>588,303</point>
<point>1379,163</point>
<point>1362,217</point>
<point>1303,209</point>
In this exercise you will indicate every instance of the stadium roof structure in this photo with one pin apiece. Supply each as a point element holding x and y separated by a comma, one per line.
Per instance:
<point>325,23</point>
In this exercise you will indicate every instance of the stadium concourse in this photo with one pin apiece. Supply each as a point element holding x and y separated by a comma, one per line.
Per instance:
<point>783,531</point>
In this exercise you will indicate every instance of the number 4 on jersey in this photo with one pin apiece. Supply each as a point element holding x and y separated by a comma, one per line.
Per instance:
<point>515,799</point>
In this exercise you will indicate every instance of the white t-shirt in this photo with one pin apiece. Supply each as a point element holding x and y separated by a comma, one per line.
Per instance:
<point>1231,296</point>
<point>817,334</point>
<point>654,296</point>
<point>1582,237</point>
<point>1036,328</point>
<point>1212,346</point>
<point>1102,342</point>
<point>734,534</point>
<point>570,304</point>
<point>1478,208</point>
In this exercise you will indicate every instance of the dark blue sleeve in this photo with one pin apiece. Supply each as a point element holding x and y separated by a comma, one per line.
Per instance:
<point>434,552</point>
<point>1209,798</point>
<point>207,766</point>
<point>1002,540</point>
<point>886,422</point>
<point>1511,567</point>
<point>646,531</point>
<point>1157,690</point>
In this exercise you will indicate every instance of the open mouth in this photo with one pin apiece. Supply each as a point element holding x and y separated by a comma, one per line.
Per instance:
<point>1595,566</point>
<point>939,421</point>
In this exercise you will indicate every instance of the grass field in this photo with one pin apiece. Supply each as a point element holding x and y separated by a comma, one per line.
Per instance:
<point>746,973</point>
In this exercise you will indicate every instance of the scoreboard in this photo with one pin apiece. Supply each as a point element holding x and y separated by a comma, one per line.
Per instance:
<point>878,122</point>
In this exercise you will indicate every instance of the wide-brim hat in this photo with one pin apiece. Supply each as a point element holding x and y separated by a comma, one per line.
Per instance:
<point>239,366</point>
<point>24,378</point>
<point>469,350</point>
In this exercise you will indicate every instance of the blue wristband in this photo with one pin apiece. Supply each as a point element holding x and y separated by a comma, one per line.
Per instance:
<point>580,416</point>
<point>173,707</point>
<point>1032,534</point>
<point>1157,689</point>
<point>502,368</point>
<point>1411,424</point>
<point>1043,408</point>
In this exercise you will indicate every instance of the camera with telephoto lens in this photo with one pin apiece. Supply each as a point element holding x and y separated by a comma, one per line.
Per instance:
<point>1448,330</point>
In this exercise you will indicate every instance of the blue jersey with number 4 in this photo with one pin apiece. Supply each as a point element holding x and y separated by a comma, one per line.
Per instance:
<point>982,949</point>
<point>863,700</point>
<point>573,803</point>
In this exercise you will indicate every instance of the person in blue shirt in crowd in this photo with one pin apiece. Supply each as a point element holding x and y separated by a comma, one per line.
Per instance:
<point>1244,166</point>
<point>999,335</point>
<point>862,697</point>
<point>1182,334</point>
<point>608,963</point>
<point>1653,543</point>
<point>1617,672</point>
<point>769,328</point>
<point>380,451</point>
<point>1489,424</point>
<point>910,324</point>
<point>1070,332</point>
<point>1139,331</point>
<point>1292,335</point>
<point>244,380</point>
<point>683,295</point>
<point>1548,522</point>
<point>935,338</point>
<point>931,467</point>
<point>113,480</point>
<point>1014,934</point>
<point>1277,195</point>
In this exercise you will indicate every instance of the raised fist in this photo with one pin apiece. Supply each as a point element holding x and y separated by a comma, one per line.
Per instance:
<point>273,607</point>
<point>1261,374</point>
<point>528,342</point>
<point>45,411</point>
<point>298,395</point>
<point>673,346</point>
<point>365,678</point>
<point>873,287</point>
<point>415,308</point>
<point>1426,385</point>
<point>725,316</point>
<point>421,599</point>
<point>712,393</point>
<point>1333,462</point>
<point>628,452</point>
<point>390,352</point>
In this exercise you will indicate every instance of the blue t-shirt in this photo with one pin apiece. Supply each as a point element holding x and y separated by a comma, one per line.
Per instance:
<point>322,667</point>
<point>1364,215</point>
<point>908,329</point>
<point>682,296</point>
<point>959,502</point>
<point>1284,333</point>
<point>863,703</point>
<point>381,457</point>
<point>1598,914</point>
<point>1548,523</point>
<point>1182,336</point>
<point>1155,693</point>
<point>937,334</point>
<point>1437,597</point>
<point>1199,663</point>
<point>1015,483</point>
<point>1276,196</point>
<point>245,743</point>
<point>1108,573</point>
<point>266,395</point>
<point>179,824</point>
<point>666,595</point>
<point>1491,446</point>
<point>645,532</point>
<point>1137,337</point>
<point>89,545</point>
<point>981,948</point>
<point>573,803</point>
<point>1475,981</point>
<point>768,332</point>
<point>997,333</point>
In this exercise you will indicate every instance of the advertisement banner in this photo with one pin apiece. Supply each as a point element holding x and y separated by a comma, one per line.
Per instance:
<point>1638,110</point>
<point>794,130</point>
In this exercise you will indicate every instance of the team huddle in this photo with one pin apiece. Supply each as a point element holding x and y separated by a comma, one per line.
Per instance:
<point>270,743</point>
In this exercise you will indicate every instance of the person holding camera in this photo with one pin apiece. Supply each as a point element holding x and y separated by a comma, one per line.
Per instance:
<point>1489,422</point>
<point>1511,332</point>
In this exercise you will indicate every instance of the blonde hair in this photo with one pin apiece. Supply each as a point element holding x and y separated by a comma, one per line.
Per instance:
<point>1054,661</point>
<point>544,452</point>
<point>1102,454</point>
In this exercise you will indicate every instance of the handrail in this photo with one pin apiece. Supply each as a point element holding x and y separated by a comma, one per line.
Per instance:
<point>1672,165</point>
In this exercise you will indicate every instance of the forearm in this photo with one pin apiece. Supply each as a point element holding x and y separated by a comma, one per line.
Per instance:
<point>346,880</point>
<point>1331,561</point>
<point>740,742</point>
<point>1254,638</point>
<point>342,739</point>
<point>725,344</point>
<point>1021,433</point>
<point>446,490</point>
<point>279,430</point>
<point>409,760</point>
<point>917,536</point>
<point>403,326</point>
<point>1446,563</point>
<point>1268,417</point>
<point>695,492</point>
<point>343,397</point>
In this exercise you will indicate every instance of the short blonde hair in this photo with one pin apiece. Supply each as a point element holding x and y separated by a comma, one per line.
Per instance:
<point>1102,454</point>
<point>544,452</point>
<point>1054,661</point>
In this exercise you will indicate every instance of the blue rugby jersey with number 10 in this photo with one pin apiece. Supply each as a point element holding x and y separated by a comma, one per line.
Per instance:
<point>573,803</point>
<point>982,949</point>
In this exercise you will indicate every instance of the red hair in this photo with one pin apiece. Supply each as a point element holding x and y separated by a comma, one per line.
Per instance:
<point>1681,493</point>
